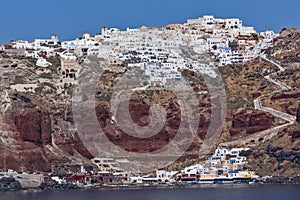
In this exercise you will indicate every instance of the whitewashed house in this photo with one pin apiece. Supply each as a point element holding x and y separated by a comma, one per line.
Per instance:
<point>192,170</point>
<point>21,44</point>
<point>208,20</point>
<point>194,22</point>
<point>68,44</point>
<point>246,31</point>
<point>32,53</point>
<point>68,54</point>
<point>107,33</point>
<point>225,56</point>
<point>269,34</point>
<point>237,151</point>
<point>249,55</point>
<point>214,43</point>
<point>220,32</point>
<point>236,57</point>
<point>233,23</point>
<point>86,35</point>
<point>51,42</point>
<point>42,62</point>
<point>165,176</point>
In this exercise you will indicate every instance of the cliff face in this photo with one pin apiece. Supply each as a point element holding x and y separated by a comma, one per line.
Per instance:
<point>298,114</point>
<point>37,130</point>
<point>280,155</point>
<point>34,126</point>
<point>33,139</point>
<point>249,122</point>
<point>140,114</point>
<point>286,46</point>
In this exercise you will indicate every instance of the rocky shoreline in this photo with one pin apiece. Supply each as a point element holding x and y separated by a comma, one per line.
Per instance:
<point>11,185</point>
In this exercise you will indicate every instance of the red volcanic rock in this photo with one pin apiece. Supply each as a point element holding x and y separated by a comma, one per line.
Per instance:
<point>250,121</point>
<point>256,94</point>
<point>33,125</point>
<point>255,129</point>
<point>285,96</point>
<point>29,135</point>
<point>288,102</point>
<point>235,131</point>
<point>139,112</point>
<point>260,119</point>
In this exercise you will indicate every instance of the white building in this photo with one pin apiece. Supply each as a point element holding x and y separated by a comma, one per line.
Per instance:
<point>220,32</point>
<point>86,35</point>
<point>194,22</point>
<point>68,54</point>
<point>215,42</point>
<point>246,30</point>
<point>249,55</point>
<point>52,41</point>
<point>269,34</point>
<point>107,33</point>
<point>192,170</point>
<point>233,23</point>
<point>236,57</point>
<point>21,44</point>
<point>237,151</point>
<point>239,160</point>
<point>32,54</point>
<point>42,62</point>
<point>208,20</point>
<point>165,176</point>
<point>69,44</point>
<point>225,56</point>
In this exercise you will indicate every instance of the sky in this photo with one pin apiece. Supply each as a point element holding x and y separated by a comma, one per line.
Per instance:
<point>69,19</point>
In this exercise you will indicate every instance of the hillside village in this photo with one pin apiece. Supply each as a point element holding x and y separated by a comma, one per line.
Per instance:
<point>156,51</point>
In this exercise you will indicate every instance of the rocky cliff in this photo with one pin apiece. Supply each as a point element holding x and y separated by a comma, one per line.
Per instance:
<point>36,125</point>
<point>37,130</point>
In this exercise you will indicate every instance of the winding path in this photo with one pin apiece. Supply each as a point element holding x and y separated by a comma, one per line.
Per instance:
<point>255,139</point>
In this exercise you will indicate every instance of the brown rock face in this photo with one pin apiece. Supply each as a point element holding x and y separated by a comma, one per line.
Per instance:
<point>203,125</point>
<point>37,131</point>
<point>298,114</point>
<point>250,122</point>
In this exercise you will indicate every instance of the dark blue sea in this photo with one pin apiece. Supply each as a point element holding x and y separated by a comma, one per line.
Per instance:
<point>215,192</point>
